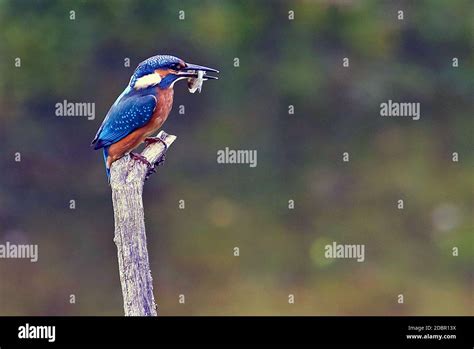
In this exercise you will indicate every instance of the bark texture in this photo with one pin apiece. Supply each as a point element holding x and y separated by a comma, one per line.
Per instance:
<point>127,177</point>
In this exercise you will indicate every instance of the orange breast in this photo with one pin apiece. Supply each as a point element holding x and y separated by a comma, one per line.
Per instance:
<point>163,107</point>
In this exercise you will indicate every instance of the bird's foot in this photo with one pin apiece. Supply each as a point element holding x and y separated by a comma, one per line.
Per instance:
<point>141,158</point>
<point>161,160</point>
<point>151,140</point>
<point>151,168</point>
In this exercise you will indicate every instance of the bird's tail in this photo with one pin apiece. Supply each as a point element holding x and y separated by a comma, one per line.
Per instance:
<point>106,154</point>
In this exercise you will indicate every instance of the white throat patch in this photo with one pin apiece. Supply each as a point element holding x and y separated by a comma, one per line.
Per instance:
<point>147,81</point>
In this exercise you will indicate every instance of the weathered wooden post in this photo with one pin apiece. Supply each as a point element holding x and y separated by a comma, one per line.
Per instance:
<point>127,177</point>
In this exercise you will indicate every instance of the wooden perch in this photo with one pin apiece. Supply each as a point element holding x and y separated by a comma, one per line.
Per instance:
<point>127,177</point>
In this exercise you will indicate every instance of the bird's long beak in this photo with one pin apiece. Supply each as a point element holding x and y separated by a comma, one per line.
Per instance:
<point>191,71</point>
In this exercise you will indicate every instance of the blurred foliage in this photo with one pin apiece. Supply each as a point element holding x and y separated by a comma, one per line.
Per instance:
<point>282,62</point>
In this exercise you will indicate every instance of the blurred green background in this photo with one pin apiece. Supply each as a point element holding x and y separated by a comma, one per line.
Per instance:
<point>282,63</point>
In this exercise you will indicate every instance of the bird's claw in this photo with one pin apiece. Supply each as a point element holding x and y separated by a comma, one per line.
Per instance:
<point>151,140</point>
<point>141,158</point>
<point>151,168</point>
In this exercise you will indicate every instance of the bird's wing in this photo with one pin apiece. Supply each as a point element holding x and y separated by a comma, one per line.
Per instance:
<point>123,118</point>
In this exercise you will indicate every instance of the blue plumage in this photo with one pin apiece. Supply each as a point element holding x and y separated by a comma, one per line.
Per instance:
<point>130,113</point>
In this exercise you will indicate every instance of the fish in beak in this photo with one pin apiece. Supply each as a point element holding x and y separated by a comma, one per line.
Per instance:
<point>196,75</point>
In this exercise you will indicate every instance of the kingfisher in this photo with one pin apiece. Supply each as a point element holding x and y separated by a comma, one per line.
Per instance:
<point>144,106</point>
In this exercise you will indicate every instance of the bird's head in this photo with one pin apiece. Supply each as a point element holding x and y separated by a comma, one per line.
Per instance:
<point>163,71</point>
